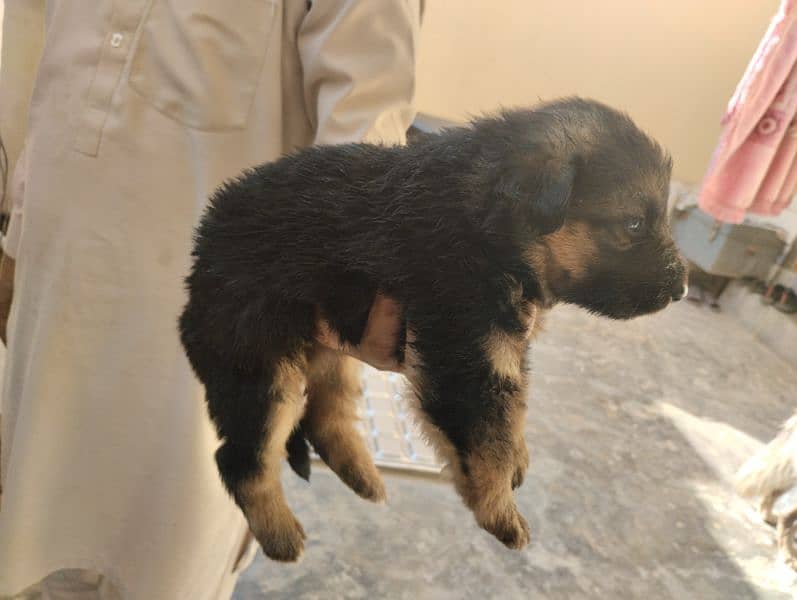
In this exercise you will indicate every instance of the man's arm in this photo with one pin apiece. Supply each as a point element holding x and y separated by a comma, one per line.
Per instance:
<point>358,62</point>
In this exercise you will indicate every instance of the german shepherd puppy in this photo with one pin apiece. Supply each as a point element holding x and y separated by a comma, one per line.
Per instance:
<point>473,231</point>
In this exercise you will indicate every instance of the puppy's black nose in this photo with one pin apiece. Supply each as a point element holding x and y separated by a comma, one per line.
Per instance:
<point>680,293</point>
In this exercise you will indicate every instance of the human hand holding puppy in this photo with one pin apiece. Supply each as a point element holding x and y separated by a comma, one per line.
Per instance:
<point>380,336</point>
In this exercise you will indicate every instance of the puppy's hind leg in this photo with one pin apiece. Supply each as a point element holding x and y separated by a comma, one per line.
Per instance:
<point>333,387</point>
<point>255,414</point>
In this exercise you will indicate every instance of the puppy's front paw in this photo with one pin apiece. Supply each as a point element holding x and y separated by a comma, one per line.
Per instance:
<point>282,539</point>
<point>486,488</point>
<point>509,527</point>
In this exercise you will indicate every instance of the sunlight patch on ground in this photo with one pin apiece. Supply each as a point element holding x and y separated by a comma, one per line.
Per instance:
<point>724,449</point>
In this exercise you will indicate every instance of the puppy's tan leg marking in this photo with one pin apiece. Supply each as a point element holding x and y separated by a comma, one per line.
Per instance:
<point>506,353</point>
<point>485,475</point>
<point>442,447</point>
<point>333,387</point>
<point>520,450</point>
<point>499,462</point>
<point>270,519</point>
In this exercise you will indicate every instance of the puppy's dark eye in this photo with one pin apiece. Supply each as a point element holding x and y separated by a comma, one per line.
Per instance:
<point>634,225</point>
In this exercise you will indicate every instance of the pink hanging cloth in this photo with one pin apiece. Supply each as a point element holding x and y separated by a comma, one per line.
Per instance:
<point>754,167</point>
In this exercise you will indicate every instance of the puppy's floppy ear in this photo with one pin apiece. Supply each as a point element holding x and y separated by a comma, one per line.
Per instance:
<point>538,192</point>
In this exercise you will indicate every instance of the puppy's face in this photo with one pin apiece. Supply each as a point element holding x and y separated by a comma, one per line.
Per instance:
<point>596,192</point>
<point>614,254</point>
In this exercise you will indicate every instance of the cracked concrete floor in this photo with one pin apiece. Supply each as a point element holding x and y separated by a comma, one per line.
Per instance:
<point>635,430</point>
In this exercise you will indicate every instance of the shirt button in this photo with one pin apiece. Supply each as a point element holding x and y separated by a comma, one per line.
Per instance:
<point>116,40</point>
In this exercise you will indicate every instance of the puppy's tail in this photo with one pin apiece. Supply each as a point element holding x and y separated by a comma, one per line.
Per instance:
<point>772,469</point>
<point>299,453</point>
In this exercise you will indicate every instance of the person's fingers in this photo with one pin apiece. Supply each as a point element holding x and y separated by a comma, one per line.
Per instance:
<point>381,333</point>
<point>376,361</point>
<point>327,336</point>
<point>380,336</point>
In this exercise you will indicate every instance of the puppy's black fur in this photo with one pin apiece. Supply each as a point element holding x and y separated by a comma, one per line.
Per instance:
<point>472,231</point>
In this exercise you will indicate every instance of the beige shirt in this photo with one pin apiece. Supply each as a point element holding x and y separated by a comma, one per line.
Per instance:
<point>140,109</point>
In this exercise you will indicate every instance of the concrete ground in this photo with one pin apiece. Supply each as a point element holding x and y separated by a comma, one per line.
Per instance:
<point>635,429</point>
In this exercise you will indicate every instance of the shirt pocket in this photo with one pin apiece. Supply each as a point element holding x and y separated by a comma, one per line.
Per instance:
<point>199,61</point>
